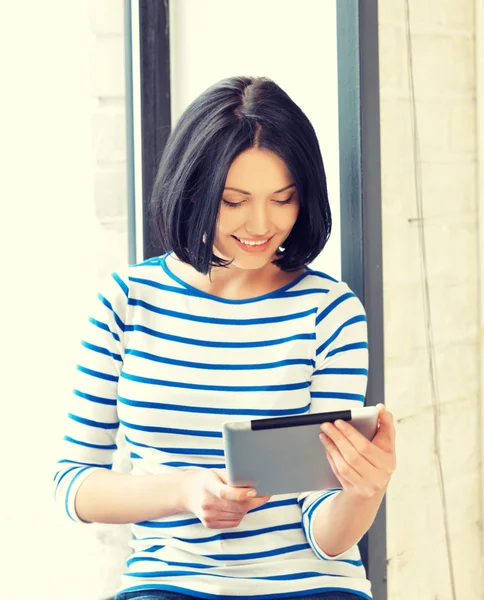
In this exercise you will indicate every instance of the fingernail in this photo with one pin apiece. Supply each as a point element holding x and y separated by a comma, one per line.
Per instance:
<point>252,493</point>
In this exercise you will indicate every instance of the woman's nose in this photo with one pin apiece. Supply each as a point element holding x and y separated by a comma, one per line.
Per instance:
<point>258,222</point>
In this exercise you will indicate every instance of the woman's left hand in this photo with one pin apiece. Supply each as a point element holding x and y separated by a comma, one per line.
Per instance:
<point>363,468</point>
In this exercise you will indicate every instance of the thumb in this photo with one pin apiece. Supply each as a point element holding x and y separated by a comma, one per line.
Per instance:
<point>385,435</point>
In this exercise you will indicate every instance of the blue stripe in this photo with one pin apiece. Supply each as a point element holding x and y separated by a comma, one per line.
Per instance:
<point>214,411</point>
<point>232,535</point>
<point>147,539</point>
<point>108,304</point>
<point>105,327</point>
<point>167,288</point>
<point>330,340</point>
<point>183,464</point>
<point>154,260</point>
<point>221,366</point>
<point>154,548</point>
<point>220,321</point>
<point>287,577</point>
<point>310,513</point>
<point>280,596</point>
<point>341,371</point>
<point>99,424</point>
<point>211,344</point>
<point>67,438</point>
<point>296,576</point>
<point>101,350</point>
<point>252,555</point>
<point>275,504</point>
<point>97,374</point>
<point>193,451</point>
<point>69,490</point>
<point>322,275</point>
<point>192,292</point>
<point>193,432</point>
<point>338,396</point>
<point>168,524</point>
<point>63,475</point>
<point>356,346</point>
<point>201,466</point>
<point>170,563</point>
<point>218,388</point>
<point>324,313</point>
<point>316,502</point>
<point>85,464</point>
<point>98,399</point>
<point>306,292</point>
<point>274,294</point>
<point>121,283</point>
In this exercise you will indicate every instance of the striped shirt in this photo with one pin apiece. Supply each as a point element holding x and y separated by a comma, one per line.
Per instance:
<point>166,364</point>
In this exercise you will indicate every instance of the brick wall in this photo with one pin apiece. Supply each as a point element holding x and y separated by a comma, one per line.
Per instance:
<point>444,75</point>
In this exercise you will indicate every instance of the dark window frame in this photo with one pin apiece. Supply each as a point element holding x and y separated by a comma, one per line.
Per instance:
<point>360,205</point>
<point>360,178</point>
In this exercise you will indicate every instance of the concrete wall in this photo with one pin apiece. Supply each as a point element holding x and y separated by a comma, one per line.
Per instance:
<point>442,40</point>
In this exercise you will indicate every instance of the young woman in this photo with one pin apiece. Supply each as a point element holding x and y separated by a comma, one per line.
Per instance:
<point>229,323</point>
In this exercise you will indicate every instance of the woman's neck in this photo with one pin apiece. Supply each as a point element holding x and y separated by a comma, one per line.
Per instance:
<point>232,282</point>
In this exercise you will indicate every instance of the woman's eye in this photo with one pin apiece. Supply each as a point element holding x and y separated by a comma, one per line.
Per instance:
<point>235,204</point>
<point>283,201</point>
<point>231,204</point>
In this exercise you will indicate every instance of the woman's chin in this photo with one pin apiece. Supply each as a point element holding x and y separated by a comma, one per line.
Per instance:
<point>251,261</point>
<point>246,259</point>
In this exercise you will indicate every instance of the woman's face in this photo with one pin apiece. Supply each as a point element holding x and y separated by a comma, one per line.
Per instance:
<point>258,209</point>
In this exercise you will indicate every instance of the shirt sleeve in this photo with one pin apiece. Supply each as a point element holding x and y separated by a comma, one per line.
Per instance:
<point>338,382</point>
<point>92,421</point>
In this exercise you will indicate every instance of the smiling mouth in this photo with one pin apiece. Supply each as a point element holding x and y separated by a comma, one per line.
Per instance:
<point>252,242</point>
<point>253,246</point>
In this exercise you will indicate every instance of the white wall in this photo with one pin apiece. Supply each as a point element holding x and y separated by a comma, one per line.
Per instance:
<point>54,249</point>
<point>294,46</point>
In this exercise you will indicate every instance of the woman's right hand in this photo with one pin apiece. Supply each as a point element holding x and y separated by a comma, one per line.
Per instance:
<point>217,504</point>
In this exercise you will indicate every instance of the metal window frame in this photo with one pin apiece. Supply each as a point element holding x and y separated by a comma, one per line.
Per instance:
<point>360,177</point>
<point>360,205</point>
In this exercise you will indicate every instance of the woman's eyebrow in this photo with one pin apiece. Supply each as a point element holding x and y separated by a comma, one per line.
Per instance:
<point>248,193</point>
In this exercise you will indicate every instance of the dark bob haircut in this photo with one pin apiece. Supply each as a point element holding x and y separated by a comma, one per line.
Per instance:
<point>231,116</point>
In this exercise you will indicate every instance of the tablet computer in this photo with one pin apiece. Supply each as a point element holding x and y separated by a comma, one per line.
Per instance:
<point>284,455</point>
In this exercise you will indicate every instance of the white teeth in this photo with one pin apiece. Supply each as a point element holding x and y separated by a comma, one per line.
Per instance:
<point>249,243</point>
